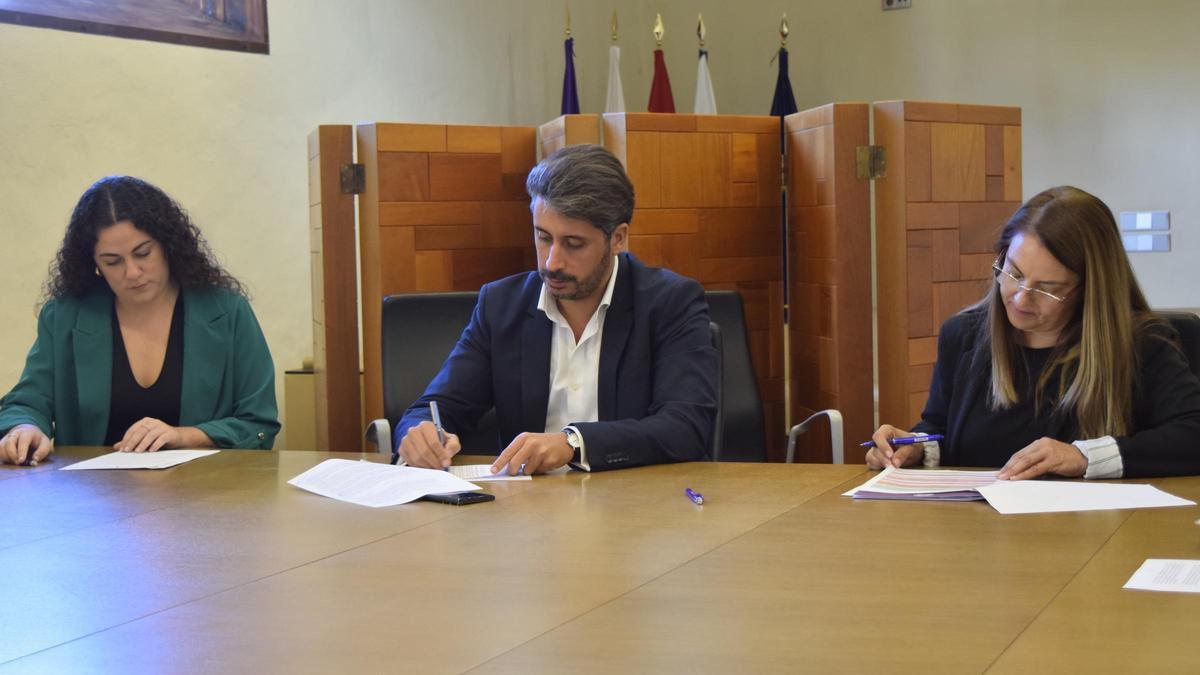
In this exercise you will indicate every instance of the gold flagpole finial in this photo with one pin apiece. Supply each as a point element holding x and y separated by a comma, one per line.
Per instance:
<point>701,31</point>
<point>783,31</point>
<point>659,31</point>
<point>614,27</point>
<point>568,22</point>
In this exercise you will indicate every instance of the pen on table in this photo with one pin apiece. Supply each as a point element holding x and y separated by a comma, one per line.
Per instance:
<point>696,497</point>
<point>907,440</point>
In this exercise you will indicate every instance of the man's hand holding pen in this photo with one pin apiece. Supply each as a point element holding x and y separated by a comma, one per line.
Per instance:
<point>428,445</point>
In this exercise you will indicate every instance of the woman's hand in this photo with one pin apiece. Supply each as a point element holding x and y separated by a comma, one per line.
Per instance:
<point>150,435</point>
<point>25,442</point>
<point>884,454</point>
<point>1045,455</point>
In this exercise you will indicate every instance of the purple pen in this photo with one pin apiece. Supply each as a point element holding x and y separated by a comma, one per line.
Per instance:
<point>907,440</point>
<point>696,497</point>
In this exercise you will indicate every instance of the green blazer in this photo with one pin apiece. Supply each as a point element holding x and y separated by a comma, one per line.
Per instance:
<point>228,376</point>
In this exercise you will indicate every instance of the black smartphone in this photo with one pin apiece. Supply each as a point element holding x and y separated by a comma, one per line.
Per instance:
<point>460,498</point>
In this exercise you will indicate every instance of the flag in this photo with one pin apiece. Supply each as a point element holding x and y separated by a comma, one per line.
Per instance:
<point>661,100</point>
<point>615,103</point>
<point>570,96</point>
<point>706,101</point>
<point>785,102</point>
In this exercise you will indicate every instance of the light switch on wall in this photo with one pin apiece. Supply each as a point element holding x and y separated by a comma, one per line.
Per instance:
<point>1145,220</point>
<point>1146,231</point>
<point>1146,243</point>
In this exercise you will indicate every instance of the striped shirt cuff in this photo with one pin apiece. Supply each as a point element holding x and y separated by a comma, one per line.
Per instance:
<point>933,455</point>
<point>1103,458</point>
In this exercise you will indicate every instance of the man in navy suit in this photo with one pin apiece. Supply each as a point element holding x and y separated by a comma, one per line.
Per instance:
<point>596,359</point>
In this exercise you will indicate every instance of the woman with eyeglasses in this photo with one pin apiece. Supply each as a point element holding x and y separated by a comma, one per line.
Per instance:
<point>1061,368</point>
<point>144,342</point>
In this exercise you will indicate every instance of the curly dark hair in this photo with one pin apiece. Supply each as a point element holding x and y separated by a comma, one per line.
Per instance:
<point>114,199</point>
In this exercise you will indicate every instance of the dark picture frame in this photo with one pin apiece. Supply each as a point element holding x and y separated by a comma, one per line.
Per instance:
<point>238,25</point>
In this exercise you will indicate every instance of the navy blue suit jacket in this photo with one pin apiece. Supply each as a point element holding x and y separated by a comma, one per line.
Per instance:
<point>657,379</point>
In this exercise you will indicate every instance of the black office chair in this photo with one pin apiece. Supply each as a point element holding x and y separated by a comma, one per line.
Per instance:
<point>1188,327</point>
<point>418,332</point>
<point>738,433</point>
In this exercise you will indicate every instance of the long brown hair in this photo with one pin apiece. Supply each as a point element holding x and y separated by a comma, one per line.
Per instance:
<point>1096,355</point>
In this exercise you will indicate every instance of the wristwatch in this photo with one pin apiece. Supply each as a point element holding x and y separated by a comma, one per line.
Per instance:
<point>575,442</point>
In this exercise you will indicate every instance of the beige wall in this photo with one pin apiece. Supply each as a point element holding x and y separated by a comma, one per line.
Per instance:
<point>1108,91</point>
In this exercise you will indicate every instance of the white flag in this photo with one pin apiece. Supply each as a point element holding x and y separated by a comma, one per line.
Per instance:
<point>615,102</point>
<point>706,101</point>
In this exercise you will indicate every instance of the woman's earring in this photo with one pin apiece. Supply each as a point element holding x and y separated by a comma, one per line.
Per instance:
<point>98,272</point>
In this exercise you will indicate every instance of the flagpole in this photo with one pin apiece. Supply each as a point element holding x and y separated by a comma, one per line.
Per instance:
<point>570,90</point>
<point>784,103</point>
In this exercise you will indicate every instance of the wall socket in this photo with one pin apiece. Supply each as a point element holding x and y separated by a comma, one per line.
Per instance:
<point>896,4</point>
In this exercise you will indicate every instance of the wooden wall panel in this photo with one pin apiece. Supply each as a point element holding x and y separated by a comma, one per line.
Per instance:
<point>830,253</point>
<point>444,209</point>
<point>338,413</point>
<point>946,228</point>
<point>568,130</point>
<point>707,190</point>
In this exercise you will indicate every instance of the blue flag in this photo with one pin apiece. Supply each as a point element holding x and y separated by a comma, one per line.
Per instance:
<point>785,102</point>
<point>570,96</point>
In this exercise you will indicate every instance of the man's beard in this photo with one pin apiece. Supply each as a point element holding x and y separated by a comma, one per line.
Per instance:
<point>583,288</point>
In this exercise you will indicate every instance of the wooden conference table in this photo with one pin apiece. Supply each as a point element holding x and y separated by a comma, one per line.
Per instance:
<point>220,566</point>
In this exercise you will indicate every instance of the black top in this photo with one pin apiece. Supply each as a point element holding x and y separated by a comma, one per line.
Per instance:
<point>1166,404</point>
<point>130,401</point>
<point>992,436</point>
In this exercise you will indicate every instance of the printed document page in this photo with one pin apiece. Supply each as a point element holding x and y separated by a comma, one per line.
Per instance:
<point>139,460</point>
<point>376,485</point>
<point>482,472</point>
<point>1158,574</point>
<point>1050,496</point>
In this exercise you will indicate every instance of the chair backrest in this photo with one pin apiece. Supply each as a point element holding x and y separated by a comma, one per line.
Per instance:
<point>1188,327</point>
<point>740,434</point>
<point>419,331</point>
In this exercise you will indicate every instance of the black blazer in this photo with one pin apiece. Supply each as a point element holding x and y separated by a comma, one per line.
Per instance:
<point>657,379</point>
<point>1166,402</point>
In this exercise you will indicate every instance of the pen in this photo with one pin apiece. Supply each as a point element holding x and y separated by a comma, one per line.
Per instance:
<point>696,497</point>
<point>907,440</point>
<point>437,422</point>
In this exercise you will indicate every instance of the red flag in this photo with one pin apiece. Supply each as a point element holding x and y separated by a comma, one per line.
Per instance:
<point>661,100</point>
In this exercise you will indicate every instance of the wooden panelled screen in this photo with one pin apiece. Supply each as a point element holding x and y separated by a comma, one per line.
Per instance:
<point>830,257</point>
<point>338,395</point>
<point>953,180</point>
<point>707,190</point>
<point>444,208</point>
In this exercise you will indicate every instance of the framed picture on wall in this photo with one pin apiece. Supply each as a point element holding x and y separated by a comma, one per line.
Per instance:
<point>239,25</point>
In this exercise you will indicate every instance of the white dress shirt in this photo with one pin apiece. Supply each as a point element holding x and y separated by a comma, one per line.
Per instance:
<point>575,367</point>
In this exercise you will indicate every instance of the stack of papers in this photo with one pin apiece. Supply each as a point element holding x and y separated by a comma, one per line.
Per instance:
<point>1012,496</point>
<point>921,484</point>
<point>376,485</point>
<point>139,460</point>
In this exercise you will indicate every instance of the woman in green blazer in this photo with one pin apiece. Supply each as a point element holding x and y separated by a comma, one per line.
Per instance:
<point>144,343</point>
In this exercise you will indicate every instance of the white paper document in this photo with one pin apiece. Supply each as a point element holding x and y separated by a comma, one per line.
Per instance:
<point>1158,574</point>
<point>482,472</point>
<point>139,460</point>
<point>375,485</point>
<point>1042,496</point>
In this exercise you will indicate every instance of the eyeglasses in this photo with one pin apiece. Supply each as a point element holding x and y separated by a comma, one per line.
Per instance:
<point>1003,276</point>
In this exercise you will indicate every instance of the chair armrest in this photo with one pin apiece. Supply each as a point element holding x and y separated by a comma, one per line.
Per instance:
<point>379,432</point>
<point>835,435</point>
